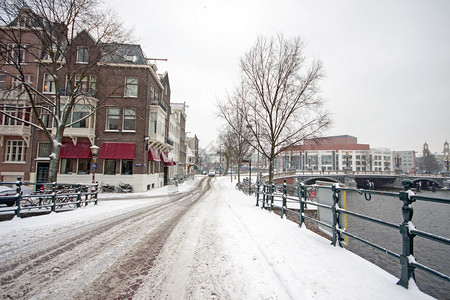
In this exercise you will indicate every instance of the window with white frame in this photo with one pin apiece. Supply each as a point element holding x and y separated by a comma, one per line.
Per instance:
<point>110,167</point>
<point>129,119</point>
<point>44,150</point>
<point>131,87</point>
<point>67,165</point>
<point>11,113</point>
<point>152,93</point>
<point>49,54</point>
<point>82,84</point>
<point>82,55</point>
<point>19,84</point>
<point>127,167</point>
<point>15,151</point>
<point>79,112</point>
<point>153,122</point>
<point>2,81</point>
<point>93,84</point>
<point>49,84</point>
<point>112,118</point>
<point>16,53</point>
<point>83,166</point>
<point>46,116</point>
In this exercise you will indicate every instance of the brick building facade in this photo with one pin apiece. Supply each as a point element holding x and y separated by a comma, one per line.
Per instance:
<point>124,109</point>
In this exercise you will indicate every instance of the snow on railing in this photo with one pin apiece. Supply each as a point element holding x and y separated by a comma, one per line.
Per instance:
<point>42,197</point>
<point>283,196</point>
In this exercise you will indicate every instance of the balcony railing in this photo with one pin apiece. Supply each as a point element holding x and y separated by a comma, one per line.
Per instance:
<point>157,102</point>
<point>15,130</point>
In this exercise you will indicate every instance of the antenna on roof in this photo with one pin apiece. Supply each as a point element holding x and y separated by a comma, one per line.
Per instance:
<point>163,59</point>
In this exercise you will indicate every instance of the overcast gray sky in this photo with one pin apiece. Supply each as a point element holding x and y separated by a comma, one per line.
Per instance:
<point>387,62</point>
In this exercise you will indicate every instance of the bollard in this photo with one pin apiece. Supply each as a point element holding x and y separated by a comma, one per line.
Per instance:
<point>283,209</point>
<point>19,195</point>
<point>407,238</point>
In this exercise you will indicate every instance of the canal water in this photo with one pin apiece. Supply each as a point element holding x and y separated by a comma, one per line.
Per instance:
<point>429,217</point>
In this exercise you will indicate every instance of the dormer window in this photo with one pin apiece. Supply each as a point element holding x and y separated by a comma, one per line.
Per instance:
<point>82,55</point>
<point>131,58</point>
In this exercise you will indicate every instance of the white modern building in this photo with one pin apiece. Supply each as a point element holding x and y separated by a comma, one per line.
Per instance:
<point>404,161</point>
<point>334,153</point>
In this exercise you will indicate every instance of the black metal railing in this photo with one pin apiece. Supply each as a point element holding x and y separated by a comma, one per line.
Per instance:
<point>280,195</point>
<point>46,196</point>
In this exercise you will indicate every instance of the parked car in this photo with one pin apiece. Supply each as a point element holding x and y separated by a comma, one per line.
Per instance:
<point>212,173</point>
<point>7,194</point>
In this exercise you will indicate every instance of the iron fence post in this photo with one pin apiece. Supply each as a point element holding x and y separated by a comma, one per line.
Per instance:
<point>283,209</point>
<point>271,196</point>
<point>407,237</point>
<point>264,197</point>
<point>257,193</point>
<point>96,194</point>
<point>79,196</point>
<point>335,212</point>
<point>54,197</point>
<point>301,196</point>
<point>19,195</point>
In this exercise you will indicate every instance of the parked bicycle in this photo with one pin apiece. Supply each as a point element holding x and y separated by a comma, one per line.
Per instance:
<point>107,188</point>
<point>124,188</point>
<point>246,187</point>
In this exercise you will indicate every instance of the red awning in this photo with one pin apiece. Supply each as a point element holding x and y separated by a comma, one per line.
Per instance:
<point>80,150</point>
<point>153,155</point>
<point>172,163</point>
<point>164,158</point>
<point>118,151</point>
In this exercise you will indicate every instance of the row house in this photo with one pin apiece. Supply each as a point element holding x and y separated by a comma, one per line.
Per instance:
<point>178,133</point>
<point>125,112</point>
<point>193,156</point>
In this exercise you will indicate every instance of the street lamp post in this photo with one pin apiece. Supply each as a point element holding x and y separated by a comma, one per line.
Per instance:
<point>94,151</point>
<point>398,161</point>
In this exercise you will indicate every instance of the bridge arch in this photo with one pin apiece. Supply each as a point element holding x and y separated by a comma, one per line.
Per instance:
<point>426,183</point>
<point>312,180</point>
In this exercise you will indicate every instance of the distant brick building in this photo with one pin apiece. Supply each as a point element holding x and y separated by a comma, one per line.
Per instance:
<point>334,153</point>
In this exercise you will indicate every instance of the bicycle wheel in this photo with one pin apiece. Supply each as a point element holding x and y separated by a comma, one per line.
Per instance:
<point>27,203</point>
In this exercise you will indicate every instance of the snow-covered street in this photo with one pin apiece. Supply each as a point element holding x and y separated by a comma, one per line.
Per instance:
<point>201,240</point>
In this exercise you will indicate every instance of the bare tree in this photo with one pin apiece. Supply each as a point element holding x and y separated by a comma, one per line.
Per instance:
<point>236,148</point>
<point>278,97</point>
<point>238,133</point>
<point>65,40</point>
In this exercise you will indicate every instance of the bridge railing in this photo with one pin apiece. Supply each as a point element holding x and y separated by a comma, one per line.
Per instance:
<point>35,197</point>
<point>283,196</point>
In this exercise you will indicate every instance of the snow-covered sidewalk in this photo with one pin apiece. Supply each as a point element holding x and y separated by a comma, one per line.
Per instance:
<point>284,261</point>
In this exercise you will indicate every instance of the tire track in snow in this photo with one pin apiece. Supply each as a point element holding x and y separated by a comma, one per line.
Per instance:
<point>123,279</point>
<point>54,262</point>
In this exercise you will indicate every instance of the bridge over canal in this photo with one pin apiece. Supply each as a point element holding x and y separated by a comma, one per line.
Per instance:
<point>362,179</point>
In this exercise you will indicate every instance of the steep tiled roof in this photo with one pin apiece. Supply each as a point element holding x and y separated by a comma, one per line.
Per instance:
<point>123,54</point>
